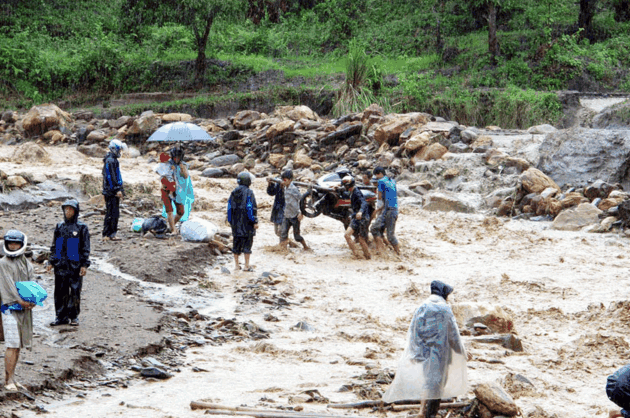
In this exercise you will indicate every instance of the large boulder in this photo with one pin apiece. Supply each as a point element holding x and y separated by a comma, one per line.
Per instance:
<point>496,399</point>
<point>279,128</point>
<point>301,159</point>
<point>614,117</point>
<point>30,152</point>
<point>446,202</point>
<point>119,123</point>
<point>9,116</point>
<point>493,316</point>
<point>389,132</point>
<point>541,129</point>
<point>244,119</point>
<point>16,182</point>
<point>578,155</point>
<point>212,172</point>
<point>277,160</point>
<point>225,160</point>
<point>145,125</point>
<point>96,137</point>
<point>417,141</point>
<point>434,151</point>
<point>43,118</point>
<point>94,150</point>
<point>535,181</point>
<point>302,112</point>
<point>577,218</point>
<point>176,117</point>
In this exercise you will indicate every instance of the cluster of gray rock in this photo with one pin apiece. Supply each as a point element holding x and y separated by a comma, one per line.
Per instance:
<point>440,165</point>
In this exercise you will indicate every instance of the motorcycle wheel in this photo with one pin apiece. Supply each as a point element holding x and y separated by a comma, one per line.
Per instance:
<point>307,207</point>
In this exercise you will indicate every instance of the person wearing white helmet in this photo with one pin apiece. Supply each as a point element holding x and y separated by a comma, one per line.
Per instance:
<point>113,189</point>
<point>17,323</point>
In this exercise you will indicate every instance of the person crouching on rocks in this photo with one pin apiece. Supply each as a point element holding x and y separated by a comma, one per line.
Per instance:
<point>70,257</point>
<point>360,217</point>
<point>17,324</point>
<point>292,214</point>
<point>242,214</point>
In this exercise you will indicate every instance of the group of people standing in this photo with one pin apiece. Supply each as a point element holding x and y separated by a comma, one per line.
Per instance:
<point>286,214</point>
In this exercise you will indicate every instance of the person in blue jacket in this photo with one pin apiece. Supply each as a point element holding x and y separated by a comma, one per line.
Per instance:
<point>113,189</point>
<point>387,209</point>
<point>242,214</point>
<point>618,391</point>
<point>70,257</point>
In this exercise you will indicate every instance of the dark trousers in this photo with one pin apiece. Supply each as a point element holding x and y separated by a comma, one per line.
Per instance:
<point>433,405</point>
<point>288,223</point>
<point>110,226</point>
<point>68,294</point>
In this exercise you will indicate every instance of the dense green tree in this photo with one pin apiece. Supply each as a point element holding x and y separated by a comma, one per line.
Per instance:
<point>197,15</point>
<point>585,20</point>
<point>622,10</point>
<point>490,9</point>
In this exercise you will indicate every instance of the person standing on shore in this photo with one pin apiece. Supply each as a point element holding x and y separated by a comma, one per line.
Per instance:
<point>113,189</point>
<point>16,324</point>
<point>70,257</point>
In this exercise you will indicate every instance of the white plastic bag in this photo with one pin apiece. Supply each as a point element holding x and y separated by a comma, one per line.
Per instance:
<point>198,230</point>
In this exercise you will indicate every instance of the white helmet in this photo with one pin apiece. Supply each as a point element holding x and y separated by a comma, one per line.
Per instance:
<point>116,146</point>
<point>14,236</point>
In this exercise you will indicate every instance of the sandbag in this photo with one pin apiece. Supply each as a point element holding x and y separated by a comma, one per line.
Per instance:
<point>198,230</point>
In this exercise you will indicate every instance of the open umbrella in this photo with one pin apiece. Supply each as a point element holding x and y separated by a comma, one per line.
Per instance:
<point>180,132</point>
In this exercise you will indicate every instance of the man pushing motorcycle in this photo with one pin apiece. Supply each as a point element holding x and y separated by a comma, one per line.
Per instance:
<point>360,217</point>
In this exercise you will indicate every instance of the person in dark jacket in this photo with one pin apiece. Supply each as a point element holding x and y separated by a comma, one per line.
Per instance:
<point>70,257</point>
<point>112,189</point>
<point>242,214</point>
<point>360,217</point>
<point>277,210</point>
<point>618,391</point>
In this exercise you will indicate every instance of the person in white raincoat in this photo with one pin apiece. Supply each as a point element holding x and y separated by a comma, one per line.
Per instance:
<point>433,365</point>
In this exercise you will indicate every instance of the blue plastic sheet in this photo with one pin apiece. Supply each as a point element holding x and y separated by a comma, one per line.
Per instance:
<point>30,292</point>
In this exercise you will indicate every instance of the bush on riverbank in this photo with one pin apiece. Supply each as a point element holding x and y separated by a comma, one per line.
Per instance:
<point>424,56</point>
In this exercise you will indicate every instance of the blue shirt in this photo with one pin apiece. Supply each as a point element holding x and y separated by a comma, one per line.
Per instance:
<point>387,187</point>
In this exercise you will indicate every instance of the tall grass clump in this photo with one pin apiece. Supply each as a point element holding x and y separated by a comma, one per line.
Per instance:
<point>356,94</point>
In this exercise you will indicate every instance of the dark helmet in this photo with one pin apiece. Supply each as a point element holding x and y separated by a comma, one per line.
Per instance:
<point>347,182</point>
<point>177,152</point>
<point>379,170</point>
<point>13,236</point>
<point>73,203</point>
<point>287,174</point>
<point>244,178</point>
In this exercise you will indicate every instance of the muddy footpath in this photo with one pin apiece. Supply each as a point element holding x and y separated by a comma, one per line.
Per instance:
<point>165,323</point>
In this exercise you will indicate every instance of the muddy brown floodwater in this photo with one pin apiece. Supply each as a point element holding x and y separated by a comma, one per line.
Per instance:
<point>566,292</point>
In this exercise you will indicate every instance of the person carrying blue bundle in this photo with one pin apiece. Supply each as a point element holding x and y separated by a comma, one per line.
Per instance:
<point>70,257</point>
<point>433,365</point>
<point>242,215</point>
<point>17,324</point>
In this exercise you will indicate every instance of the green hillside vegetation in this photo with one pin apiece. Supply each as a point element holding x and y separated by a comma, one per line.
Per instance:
<point>436,56</point>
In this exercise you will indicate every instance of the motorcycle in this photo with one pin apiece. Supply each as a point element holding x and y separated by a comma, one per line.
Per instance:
<point>325,196</point>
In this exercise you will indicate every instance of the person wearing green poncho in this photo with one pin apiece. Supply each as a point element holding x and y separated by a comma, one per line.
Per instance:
<point>17,324</point>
